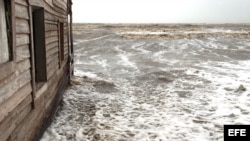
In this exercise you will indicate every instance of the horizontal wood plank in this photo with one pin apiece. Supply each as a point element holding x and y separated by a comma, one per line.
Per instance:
<point>53,64</point>
<point>51,27</point>
<point>10,88</point>
<point>28,127</point>
<point>39,3</point>
<point>7,69</point>
<point>21,11</point>
<point>51,33</point>
<point>53,70</point>
<point>52,51</point>
<point>23,65</point>
<point>10,104</point>
<point>51,39</point>
<point>22,26</point>
<point>51,45</point>
<point>52,57</point>
<point>53,82</point>
<point>49,2</point>
<point>55,11</point>
<point>22,53</point>
<point>22,39</point>
<point>61,3</point>
<point>23,2</point>
<point>15,117</point>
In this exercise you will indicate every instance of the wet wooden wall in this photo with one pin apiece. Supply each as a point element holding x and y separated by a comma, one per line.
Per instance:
<point>25,106</point>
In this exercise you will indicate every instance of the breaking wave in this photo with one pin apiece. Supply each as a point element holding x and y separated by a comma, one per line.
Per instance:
<point>157,89</point>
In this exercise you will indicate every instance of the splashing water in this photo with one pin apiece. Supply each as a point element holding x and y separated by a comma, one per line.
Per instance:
<point>154,89</point>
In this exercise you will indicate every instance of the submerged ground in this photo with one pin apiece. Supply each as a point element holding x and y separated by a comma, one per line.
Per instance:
<point>155,83</point>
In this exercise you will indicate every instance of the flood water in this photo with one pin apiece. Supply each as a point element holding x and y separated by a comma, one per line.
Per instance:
<point>154,89</point>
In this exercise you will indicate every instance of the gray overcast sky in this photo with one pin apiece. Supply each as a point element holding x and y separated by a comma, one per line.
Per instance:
<point>161,11</point>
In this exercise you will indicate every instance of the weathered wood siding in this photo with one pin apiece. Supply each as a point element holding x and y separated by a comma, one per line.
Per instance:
<point>25,107</point>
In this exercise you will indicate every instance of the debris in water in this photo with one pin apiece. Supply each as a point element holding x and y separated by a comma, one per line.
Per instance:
<point>104,86</point>
<point>241,89</point>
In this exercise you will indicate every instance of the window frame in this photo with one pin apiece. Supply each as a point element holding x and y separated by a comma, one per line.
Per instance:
<point>9,67</point>
<point>61,44</point>
<point>61,40</point>
<point>38,45</point>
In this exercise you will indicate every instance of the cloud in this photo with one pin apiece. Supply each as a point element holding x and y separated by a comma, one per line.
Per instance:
<point>161,11</point>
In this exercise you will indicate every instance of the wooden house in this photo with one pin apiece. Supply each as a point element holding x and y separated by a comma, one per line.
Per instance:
<point>36,61</point>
